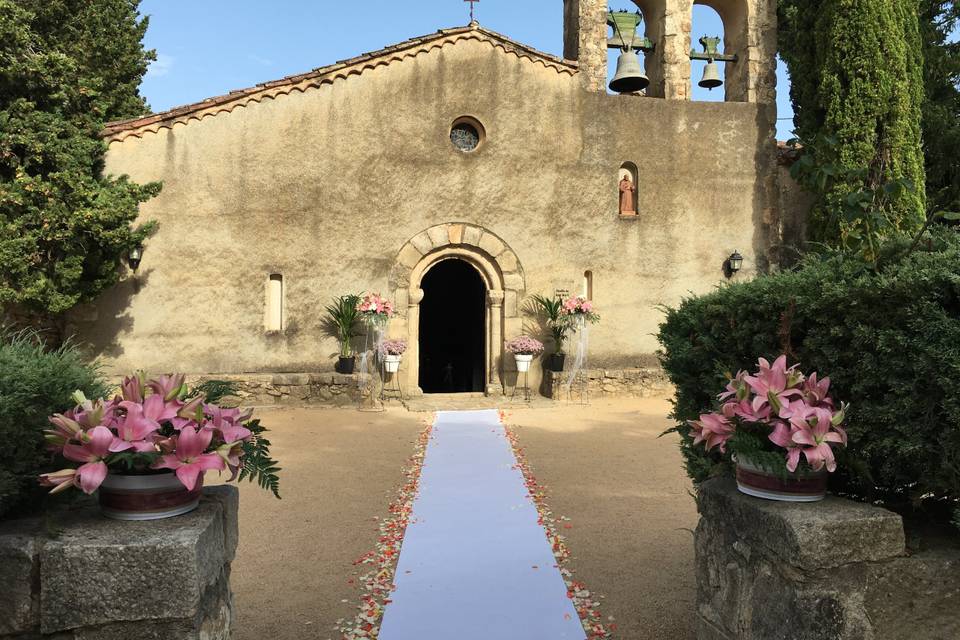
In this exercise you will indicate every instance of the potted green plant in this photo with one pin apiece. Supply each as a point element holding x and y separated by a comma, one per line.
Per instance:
<point>558,323</point>
<point>342,316</point>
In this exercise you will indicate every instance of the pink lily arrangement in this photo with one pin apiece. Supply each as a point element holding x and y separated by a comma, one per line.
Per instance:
<point>780,409</point>
<point>150,426</point>
<point>375,309</point>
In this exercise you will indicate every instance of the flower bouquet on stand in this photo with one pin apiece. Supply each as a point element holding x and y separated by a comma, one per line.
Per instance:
<point>375,312</point>
<point>524,349</point>
<point>391,352</point>
<point>148,449</point>
<point>779,427</point>
<point>579,312</point>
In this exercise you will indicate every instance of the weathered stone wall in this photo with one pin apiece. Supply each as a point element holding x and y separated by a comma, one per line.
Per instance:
<point>835,570</point>
<point>333,389</point>
<point>610,383</point>
<point>80,576</point>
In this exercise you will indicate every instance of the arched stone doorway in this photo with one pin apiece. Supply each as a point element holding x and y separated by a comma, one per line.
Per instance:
<point>502,278</point>
<point>452,328</point>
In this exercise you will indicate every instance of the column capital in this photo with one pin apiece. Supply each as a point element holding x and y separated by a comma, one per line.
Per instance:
<point>495,297</point>
<point>415,297</point>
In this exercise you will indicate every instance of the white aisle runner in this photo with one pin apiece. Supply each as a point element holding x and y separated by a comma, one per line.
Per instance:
<point>467,564</point>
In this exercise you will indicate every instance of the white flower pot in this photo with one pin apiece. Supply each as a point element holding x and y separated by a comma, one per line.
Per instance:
<point>523,362</point>
<point>391,363</point>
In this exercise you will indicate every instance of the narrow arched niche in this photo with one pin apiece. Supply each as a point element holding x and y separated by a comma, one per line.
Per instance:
<point>628,204</point>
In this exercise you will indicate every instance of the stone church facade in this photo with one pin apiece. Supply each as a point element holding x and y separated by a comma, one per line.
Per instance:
<point>347,179</point>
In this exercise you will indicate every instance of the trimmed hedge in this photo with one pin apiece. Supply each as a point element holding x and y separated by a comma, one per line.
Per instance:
<point>888,338</point>
<point>34,383</point>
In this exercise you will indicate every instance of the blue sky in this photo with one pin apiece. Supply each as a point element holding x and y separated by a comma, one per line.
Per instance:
<point>210,47</point>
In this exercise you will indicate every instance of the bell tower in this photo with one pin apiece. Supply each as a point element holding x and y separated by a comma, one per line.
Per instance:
<point>750,38</point>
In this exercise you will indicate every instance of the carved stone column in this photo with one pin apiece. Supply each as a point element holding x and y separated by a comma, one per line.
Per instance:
<point>495,343</point>
<point>413,343</point>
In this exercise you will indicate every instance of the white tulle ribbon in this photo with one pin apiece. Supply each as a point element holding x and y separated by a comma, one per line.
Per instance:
<point>379,326</point>
<point>580,359</point>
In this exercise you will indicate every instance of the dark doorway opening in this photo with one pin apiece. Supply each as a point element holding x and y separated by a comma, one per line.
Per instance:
<point>452,323</point>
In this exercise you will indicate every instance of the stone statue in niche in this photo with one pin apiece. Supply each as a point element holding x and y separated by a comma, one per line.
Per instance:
<point>627,191</point>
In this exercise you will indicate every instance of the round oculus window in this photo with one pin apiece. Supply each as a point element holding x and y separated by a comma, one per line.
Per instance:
<point>466,134</point>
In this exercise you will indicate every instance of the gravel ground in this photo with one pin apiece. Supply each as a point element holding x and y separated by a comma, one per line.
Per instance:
<point>623,488</point>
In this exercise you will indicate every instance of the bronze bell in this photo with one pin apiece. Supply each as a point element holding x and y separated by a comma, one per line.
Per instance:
<point>630,76</point>
<point>711,76</point>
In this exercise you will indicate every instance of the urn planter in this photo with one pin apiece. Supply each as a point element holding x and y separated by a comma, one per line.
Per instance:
<point>148,497</point>
<point>799,486</point>
<point>345,364</point>
<point>391,363</point>
<point>555,362</point>
<point>523,361</point>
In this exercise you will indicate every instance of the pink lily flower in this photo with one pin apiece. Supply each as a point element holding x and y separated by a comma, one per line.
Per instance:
<point>93,452</point>
<point>190,414</point>
<point>714,429</point>
<point>135,430</point>
<point>167,386</point>
<point>231,453</point>
<point>782,436</point>
<point>774,386</point>
<point>159,410</point>
<point>67,429</point>
<point>189,461</point>
<point>60,480</point>
<point>814,437</point>
<point>225,421</point>
<point>736,388</point>
<point>816,392</point>
<point>132,388</point>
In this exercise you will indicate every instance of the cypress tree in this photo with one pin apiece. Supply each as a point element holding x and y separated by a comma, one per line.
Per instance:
<point>857,80</point>
<point>66,68</point>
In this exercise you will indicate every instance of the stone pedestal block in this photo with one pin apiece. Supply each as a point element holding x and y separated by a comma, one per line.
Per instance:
<point>79,575</point>
<point>831,570</point>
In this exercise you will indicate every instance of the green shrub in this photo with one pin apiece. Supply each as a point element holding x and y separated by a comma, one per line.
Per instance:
<point>888,338</point>
<point>34,383</point>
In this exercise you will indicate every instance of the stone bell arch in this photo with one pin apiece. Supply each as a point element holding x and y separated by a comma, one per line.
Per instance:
<point>500,271</point>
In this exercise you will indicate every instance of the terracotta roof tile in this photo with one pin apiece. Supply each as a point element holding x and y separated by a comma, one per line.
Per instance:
<point>137,127</point>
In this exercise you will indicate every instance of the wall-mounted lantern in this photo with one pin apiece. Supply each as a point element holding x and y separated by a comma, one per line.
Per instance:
<point>630,76</point>
<point>134,257</point>
<point>733,264</point>
<point>711,74</point>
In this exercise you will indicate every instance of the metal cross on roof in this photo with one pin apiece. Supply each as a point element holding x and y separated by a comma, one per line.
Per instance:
<point>472,2</point>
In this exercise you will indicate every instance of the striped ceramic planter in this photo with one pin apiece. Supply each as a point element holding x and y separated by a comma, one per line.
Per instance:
<point>150,497</point>
<point>805,486</point>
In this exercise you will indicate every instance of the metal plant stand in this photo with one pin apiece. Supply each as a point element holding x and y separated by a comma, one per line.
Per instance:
<point>526,387</point>
<point>390,387</point>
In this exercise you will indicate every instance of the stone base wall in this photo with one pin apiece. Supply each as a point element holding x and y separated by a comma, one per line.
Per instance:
<point>78,576</point>
<point>833,570</point>
<point>333,389</point>
<point>341,390</point>
<point>612,383</point>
